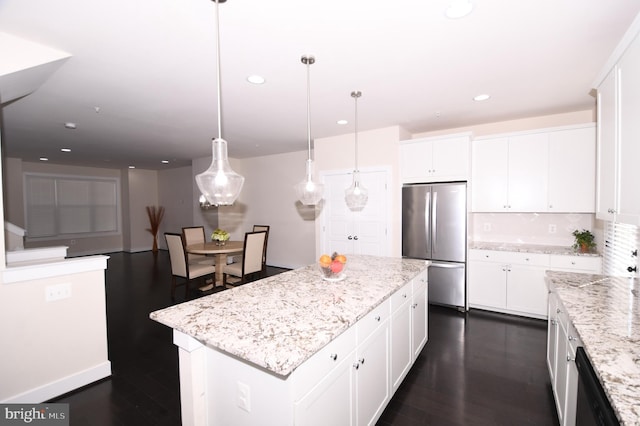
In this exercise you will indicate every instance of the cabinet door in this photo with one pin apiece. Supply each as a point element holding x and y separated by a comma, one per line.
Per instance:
<point>560,382</point>
<point>487,284</point>
<point>606,143</point>
<point>629,141</point>
<point>372,376</point>
<point>401,349</point>
<point>572,171</point>
<point>416,161</point>
<point>528,171</point>
<point>419,318</point>
<point>489,173</point>
<point>526,290</point>
<point>451,159</point>
<point>331,401</point>
<point>552,336</point>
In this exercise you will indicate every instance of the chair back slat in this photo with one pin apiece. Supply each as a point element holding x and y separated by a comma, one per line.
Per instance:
<point>176,254</point>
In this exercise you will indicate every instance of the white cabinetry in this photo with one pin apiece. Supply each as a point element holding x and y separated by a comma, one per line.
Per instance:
<point>619,131</point>
<point>513,282</point>
<point>562,341</point>
<point>436,159</point>
<point>510,282</point>
<point>419,314</point>
<point>543,171</point>
<point>401,345</point>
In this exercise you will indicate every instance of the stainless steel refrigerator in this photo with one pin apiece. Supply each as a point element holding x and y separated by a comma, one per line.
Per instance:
<point>434,227</point>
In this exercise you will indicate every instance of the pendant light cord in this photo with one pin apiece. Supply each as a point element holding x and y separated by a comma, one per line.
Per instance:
<point>308,60</point>
<point>218,70</point>
<point>356,95</point>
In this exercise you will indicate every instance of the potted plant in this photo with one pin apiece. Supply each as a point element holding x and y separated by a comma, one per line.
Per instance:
<point>584,240</point>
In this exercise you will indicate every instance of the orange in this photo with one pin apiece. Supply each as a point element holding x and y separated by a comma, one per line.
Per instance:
<point>325,260</point>
<point>341,258</point>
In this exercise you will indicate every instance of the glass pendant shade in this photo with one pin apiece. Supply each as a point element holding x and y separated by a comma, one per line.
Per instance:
<point>309,192</point>
<point>356,196</point>
<point>219,184</point>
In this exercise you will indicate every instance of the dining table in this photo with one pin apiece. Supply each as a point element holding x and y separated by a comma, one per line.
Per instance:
<point>219,252</point>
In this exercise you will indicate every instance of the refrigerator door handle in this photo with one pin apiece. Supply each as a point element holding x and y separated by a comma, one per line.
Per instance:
<point>427,210</point>
<point>434,233</point>
<point>447,265</point>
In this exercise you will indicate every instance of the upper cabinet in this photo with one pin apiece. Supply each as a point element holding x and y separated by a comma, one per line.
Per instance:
<point>439,159</point>
<point>618,134</point>
<point>542,171</point>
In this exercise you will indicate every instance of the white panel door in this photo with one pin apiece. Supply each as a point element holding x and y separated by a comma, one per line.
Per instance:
<point>489,175</point>
<point>349,232</point>
<point>528,165</point>
<point>629,142</point>
<point>572,170</point>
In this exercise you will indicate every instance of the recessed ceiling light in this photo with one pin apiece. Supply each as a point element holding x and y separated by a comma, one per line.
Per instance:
<point>165,161</point>
<point>342,122</point>
<point>255,79</point>
<point>44,159</point>
<point>458,9</point>
<point>65,150</point>
<point>132,167</point>
<point>70,125</point>
<point>482,97</point>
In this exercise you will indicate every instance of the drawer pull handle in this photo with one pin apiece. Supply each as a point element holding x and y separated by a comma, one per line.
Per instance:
<point>415,305</point>
<point>378,318</point>
<point>569,359</point>
<point>333,357</point>
<point>356,365</point>
<point>362,361</point>
<point>571,338</point>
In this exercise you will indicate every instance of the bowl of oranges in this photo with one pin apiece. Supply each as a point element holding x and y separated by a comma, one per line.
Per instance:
<point>332,268</point>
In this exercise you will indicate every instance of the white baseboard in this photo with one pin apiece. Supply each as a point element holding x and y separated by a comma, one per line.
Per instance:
<point>61,386</point>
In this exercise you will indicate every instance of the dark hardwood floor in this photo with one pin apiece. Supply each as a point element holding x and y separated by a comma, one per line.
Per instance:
<point>477,368</point>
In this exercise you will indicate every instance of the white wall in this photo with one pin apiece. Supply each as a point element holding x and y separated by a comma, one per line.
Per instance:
<point>268,198</point>
<point>177,200</point>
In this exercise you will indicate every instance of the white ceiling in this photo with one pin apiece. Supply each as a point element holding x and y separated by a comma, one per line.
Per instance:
<point>149,65</point>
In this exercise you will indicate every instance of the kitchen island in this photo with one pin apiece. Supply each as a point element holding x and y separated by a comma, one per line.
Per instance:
<point>295,349</point>
<point>605,313</point>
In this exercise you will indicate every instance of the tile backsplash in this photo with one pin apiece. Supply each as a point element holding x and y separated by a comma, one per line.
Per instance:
<point>532,228</point>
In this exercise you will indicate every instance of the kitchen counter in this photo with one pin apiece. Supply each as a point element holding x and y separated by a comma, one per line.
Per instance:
<point>605,312</point>
<point>279,322</point>
<point>528,248</point>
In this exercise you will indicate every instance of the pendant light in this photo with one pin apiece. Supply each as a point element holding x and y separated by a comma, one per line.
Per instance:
<point>308,191</point>
<point>356,195</point>
<point>219,184</point>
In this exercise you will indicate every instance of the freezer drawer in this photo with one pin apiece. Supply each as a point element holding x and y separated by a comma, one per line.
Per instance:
<point>447,284</point>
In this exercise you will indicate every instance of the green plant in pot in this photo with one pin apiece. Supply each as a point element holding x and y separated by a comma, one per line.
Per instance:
<point>584,241</point>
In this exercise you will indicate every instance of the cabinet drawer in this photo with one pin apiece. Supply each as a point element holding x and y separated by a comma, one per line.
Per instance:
<point>311,372</point>
<point>510,257</point>
<point>581,263</point>
<point>370,322</point>
<point>401,297</point>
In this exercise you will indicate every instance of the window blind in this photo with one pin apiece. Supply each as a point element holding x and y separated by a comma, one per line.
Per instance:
<point>620,257</point>
<point>60,206</point>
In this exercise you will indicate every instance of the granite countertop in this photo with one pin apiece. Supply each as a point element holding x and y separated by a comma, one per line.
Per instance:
<point>528,248</point>
<point>606,314</point>
<point>279,322</point>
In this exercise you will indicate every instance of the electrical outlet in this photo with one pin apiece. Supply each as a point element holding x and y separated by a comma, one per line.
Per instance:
<point>244,397</point>
<point>552,229</point>
<point>486,227</point>
<point>57,292</point>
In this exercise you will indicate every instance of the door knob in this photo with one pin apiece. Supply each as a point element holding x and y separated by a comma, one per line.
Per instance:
<point>355,238</point>
<point>349,237</point>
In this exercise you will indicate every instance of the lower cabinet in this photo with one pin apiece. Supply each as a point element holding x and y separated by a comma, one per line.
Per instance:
<point>357,375</point>
<point>513,282</point>
<point>562,342</point>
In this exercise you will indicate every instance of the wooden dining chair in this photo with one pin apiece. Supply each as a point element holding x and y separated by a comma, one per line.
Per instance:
<point>251,258</point>
<point>264,254</point>
<point>195,235</point>
<point>180,267</point>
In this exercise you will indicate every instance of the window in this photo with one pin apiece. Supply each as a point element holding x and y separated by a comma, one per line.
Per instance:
<point>63,206</point>
<point>620,250</point>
